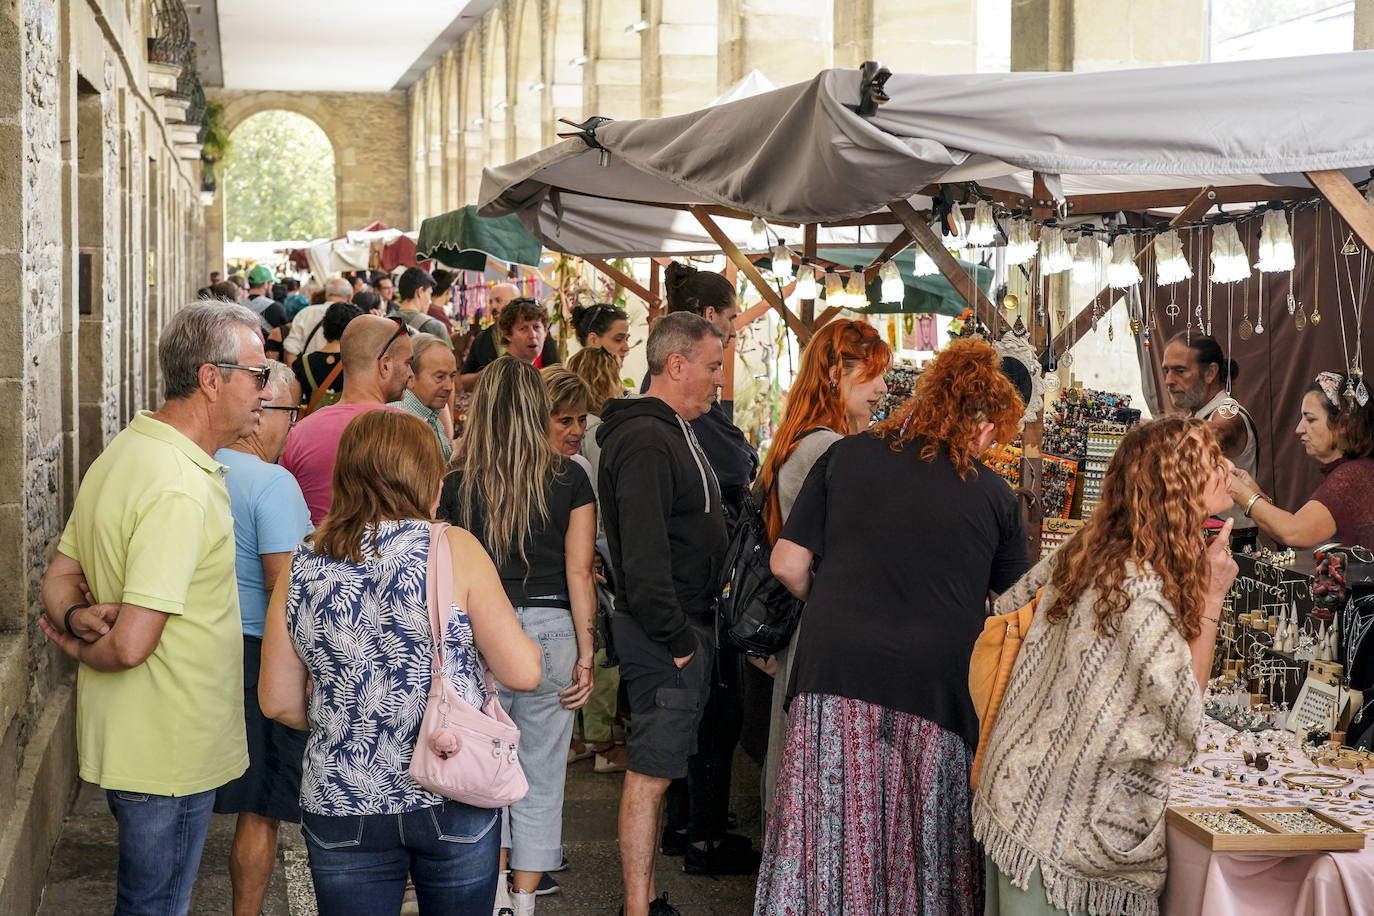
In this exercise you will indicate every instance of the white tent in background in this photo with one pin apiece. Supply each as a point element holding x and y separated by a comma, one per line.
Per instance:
<point>753,83</point>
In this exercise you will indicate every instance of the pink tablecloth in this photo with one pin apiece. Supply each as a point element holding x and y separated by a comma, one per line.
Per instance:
<point>1203,883</point>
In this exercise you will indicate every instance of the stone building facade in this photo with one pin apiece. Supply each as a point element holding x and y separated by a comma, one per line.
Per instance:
<point>498,93</point>
<point>103,238</point>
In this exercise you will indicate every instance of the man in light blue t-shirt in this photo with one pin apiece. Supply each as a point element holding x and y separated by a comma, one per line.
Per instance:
<point>270,519</point>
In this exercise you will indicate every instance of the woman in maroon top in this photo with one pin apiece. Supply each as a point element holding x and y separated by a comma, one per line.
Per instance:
<point>1338,431</point>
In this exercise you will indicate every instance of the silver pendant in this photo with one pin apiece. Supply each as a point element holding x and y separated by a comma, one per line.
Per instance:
<point>1228,408</point>
<point>1259,326</point>
<point>1292,304</point>
<point>1361,394</point>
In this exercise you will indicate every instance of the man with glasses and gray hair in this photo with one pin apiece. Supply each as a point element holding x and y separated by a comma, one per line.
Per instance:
<point>159,690</point>
<point>375,353</point>
<point>270,519</point>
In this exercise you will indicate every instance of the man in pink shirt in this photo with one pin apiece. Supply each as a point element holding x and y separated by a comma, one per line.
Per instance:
<point>376,368</point>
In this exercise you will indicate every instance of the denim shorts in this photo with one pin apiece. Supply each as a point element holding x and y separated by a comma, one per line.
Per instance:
<point>666,702</point>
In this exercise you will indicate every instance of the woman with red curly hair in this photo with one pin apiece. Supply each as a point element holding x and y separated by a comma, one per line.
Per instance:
<point>838,385</point>
<point>1104,699</point>
<point>871,812</point>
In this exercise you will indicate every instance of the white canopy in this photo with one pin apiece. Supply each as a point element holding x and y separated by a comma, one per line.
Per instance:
<point>802,154</point>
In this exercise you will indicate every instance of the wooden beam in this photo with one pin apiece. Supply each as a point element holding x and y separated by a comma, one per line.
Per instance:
<point>737,258</point>
<point>1084,319</point>
<point>1139,201</point>
<point>824,317</point>
<point>655,288</point>
<point>964,284</point>
<point>751,314</point>
<point>624,280</point>
<point>1346,201</point>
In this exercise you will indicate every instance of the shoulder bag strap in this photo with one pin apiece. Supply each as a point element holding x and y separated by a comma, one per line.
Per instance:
<point>438,589</point>
<point>322,388</point>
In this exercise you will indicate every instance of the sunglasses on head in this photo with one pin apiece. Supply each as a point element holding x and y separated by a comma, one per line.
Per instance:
<point>401,328</point>
<point>262,372</point>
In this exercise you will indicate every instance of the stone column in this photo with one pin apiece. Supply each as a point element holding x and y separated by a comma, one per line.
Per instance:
<point>1062,35</point>
<point>1364,25</point>
<point>612,76</point>
<point>680,56</point>
<point>790,41</point>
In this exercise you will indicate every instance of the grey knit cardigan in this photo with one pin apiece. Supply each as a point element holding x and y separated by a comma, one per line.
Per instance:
<point>1076,773</point>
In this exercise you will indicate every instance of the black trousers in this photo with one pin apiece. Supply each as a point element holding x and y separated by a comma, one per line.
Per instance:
<point>700,804</point>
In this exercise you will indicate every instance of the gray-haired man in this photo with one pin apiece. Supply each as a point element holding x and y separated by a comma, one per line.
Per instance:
<point>431,386</point>
<point>159,691</point>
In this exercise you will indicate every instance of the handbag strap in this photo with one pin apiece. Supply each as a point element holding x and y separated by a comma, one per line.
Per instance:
<point>439,597</point>
<point>321,389</point>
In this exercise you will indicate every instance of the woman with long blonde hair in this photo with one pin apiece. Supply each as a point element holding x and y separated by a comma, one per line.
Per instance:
<point>1106,698</point>
<point>535,512</point>
<point>911,533</point>
<point>839,382</point>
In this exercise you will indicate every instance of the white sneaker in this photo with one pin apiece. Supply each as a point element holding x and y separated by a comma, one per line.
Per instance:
<point>523,903</point>
<point>502,905</point>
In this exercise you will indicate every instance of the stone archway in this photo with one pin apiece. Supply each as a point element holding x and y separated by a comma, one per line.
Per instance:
<point>369,135</point>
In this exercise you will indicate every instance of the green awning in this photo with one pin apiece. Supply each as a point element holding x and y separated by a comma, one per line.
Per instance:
<point>924,295</point>
<point>462,240</point>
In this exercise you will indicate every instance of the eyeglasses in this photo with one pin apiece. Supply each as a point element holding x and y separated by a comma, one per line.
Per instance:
<point>295,411</point>
<point>401,328</point>
<point>261,372</point>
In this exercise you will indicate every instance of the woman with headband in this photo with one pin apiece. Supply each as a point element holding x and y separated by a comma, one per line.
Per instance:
<point>1338,431</point>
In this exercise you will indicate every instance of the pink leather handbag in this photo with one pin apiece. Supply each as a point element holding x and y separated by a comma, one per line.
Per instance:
<point>464,753</point>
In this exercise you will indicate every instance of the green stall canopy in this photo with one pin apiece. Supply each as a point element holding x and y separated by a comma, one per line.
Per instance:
<point>931,294</point>
<point>462,240</point>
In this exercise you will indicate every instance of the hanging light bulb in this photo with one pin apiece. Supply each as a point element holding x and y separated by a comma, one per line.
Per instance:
<point>1229,261</point>
<point>1054,252</point>
<point>983,231</point>
<point>834,287</point>
<point>1020,246</point>
<point>1085,255</point>
<point>893,289</point>
<point>1122,272</point>
<point>1170,264</point>
<point>758,234</point>
<point>806,281</point>
<point>856,291</point>
<point>924,266</point>
<point>1276,244</point>
<point>782,263</point>
<point>956,239</point>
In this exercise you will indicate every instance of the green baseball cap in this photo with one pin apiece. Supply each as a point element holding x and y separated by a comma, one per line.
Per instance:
<point>260,274</point>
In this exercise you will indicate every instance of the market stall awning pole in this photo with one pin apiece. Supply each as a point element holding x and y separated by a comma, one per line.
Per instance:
<point>1347,201</point>
<point>1075,329</point>
<point>737,258</point>
<point>808,306</point>
<point>624,280</point>
<point>655,286</point>
<point>963,284</point>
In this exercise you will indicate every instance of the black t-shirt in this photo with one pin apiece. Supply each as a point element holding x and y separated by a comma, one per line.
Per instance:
<point>907,553</point>
<point>546,574</point>
<point>320,365</point>
<point>484,352</point>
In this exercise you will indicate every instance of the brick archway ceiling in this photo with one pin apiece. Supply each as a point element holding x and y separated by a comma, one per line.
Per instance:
<point>326,45</point>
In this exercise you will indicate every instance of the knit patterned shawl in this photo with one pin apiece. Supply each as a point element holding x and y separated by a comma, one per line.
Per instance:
<point>1076,777</point>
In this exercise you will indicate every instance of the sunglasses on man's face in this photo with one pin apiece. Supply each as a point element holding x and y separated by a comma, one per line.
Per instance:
<point>401,328</point>
<point>261,372</point>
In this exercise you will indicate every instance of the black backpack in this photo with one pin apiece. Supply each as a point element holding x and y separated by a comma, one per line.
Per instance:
<point>757,612</point>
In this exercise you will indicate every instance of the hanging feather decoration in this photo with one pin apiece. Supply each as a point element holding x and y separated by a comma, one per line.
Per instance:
<point>1170,264</point>
<point>983,231</point>
<point>1054,252</point>
<point>1122,272</point>
<point>924,266</point>
<point>1085,255</point>
<point>1021,245</point>
<point>1276,244</point>
<point>1229,261</point>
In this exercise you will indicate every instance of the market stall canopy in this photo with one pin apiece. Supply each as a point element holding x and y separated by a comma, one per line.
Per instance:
<point>803,154</point>
<point>462,240</point>
<point>375,246</point>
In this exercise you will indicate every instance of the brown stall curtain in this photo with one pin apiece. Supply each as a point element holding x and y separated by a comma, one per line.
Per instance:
<point>1275,367</point>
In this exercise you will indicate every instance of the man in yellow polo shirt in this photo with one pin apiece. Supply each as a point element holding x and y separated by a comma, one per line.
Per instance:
<point>159,691</point>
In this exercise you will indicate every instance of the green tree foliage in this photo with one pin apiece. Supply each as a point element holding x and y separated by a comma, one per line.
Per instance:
<point>279,180</point>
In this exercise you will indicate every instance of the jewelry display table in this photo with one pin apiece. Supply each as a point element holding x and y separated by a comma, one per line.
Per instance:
<point>1206,883</point>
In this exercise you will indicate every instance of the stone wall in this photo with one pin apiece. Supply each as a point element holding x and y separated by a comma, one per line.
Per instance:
<point>99,197</point>
<point>371,152</point>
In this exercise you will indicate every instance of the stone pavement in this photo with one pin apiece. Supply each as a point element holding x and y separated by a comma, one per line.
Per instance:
<point>80,880</point>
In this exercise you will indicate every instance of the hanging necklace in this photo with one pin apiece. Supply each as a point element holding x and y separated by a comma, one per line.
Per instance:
<point>1246,328</point>
<point>1317,272</point>
<point>1201,276</point>
<point>1259,315</point>
<point>1354,386</point>
<point>1228,407</point>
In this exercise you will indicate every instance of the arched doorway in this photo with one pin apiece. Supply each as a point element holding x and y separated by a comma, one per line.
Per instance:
<point>279,180</point>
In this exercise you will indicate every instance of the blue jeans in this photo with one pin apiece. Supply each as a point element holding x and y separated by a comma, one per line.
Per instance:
<point>160,841</point>
<point>533,827</point>
<point>359,862</point>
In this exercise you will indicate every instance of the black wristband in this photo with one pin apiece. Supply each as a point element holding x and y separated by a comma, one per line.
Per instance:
<point>67,618</point>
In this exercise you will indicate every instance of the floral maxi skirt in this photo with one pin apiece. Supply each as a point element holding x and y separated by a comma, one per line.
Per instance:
<point>871,817</point>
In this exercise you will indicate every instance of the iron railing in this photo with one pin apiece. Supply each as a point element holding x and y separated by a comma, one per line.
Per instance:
<point>170,38</point>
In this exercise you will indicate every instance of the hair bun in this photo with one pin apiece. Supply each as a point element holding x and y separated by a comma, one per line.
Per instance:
<point>676,274</point>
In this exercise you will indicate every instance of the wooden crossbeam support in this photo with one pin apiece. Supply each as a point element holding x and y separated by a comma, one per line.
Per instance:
<point>655,288</point>
<point>1347,201</point>
<point>949,267</point>
<point>625,280</point>
<point>1081,322</point>
<point>769,294</point>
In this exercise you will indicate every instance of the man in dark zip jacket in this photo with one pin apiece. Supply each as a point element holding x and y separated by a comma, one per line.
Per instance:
<point>661,508</point>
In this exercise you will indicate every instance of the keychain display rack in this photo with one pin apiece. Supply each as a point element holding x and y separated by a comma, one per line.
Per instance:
<point>1101,443</point>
